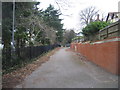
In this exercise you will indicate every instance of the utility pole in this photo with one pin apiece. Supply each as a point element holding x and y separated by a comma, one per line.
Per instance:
<point>13,42</point>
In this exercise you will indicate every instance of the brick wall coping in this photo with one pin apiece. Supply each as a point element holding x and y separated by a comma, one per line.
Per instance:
<point>110,40</point>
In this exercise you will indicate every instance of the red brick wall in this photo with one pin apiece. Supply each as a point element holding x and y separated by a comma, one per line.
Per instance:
<point>103,54</point>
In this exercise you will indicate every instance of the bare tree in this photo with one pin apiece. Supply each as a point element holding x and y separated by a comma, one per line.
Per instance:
<point>87,15</point>
<point>68,36</point>
<point>64,5</point>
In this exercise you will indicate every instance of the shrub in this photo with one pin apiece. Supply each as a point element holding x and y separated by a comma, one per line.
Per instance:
<point>94,27</point>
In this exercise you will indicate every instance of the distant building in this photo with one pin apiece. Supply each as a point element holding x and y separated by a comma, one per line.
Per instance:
<point>112,16</point>
<point>79,34</point>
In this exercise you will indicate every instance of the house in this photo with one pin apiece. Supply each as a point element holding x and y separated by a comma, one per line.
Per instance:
<point>79,34</point>
<point>112,16</point>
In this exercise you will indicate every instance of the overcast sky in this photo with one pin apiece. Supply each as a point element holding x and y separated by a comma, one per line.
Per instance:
<point>71,12</point>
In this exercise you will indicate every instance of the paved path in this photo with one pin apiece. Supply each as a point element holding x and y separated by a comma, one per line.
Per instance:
<point>66,70</point>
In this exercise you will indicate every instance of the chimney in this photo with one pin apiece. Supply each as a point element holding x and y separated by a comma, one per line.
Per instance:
<point>98,18</point>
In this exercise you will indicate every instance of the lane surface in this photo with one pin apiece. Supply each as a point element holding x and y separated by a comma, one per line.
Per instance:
<point>66,70</point>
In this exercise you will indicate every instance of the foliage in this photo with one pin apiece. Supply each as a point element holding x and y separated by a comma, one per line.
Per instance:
<point>51,18</point>
<point>68,36</point>
<point>94,27</point>
<point>32,26</point>
<point>6,23</point>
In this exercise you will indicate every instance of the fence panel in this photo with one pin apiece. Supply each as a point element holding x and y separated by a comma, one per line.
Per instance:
<point>23,55</point>
<point>110,31</point>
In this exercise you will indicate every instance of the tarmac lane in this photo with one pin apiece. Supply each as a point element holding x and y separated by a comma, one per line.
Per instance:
<point>65,69</point>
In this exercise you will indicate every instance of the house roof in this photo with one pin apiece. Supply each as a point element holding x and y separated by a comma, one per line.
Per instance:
<point>112,15</point>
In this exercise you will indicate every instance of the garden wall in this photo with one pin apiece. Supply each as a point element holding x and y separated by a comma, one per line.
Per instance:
<point>105,53</point>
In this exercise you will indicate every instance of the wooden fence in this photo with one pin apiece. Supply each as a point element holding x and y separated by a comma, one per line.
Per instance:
<point>112,30</point>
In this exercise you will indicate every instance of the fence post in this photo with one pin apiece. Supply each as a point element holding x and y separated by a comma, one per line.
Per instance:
<point>119,27</point>
<point>30,52</point>
<point>107,32</point>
